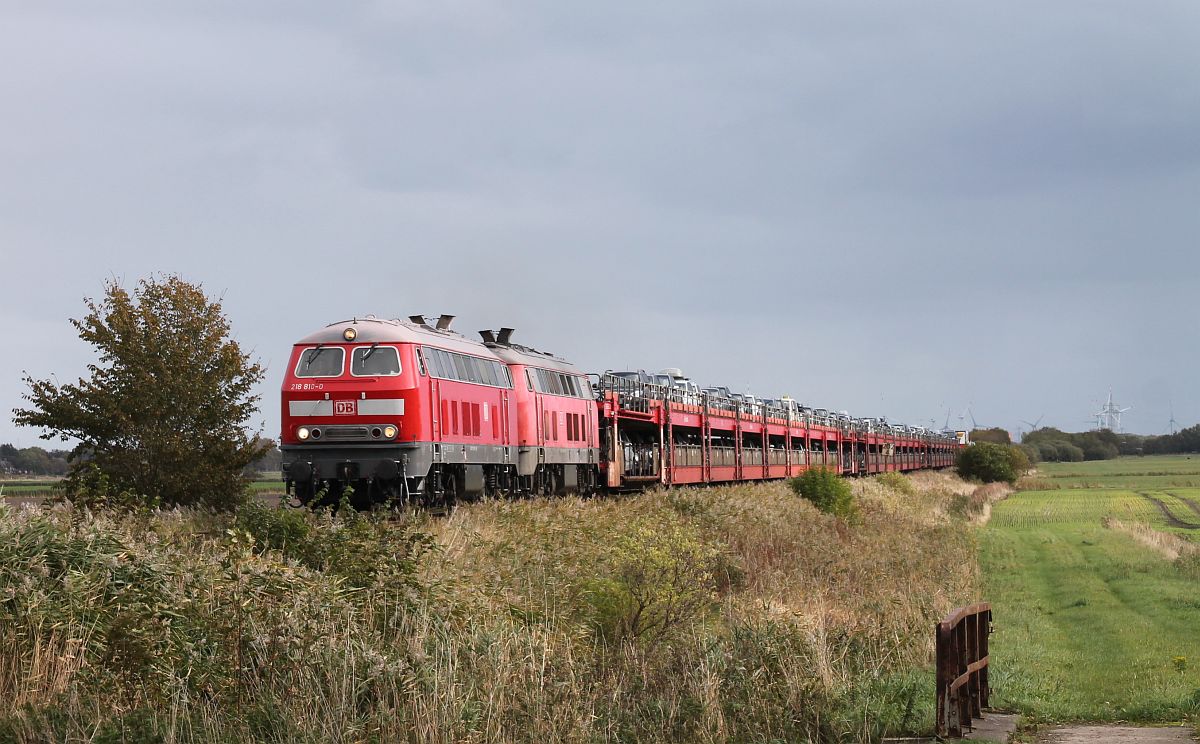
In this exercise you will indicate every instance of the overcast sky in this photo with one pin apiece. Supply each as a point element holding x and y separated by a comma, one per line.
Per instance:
<point>896,209</point>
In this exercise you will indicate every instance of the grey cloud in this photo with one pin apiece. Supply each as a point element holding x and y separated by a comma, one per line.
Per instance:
<point>824,199</point>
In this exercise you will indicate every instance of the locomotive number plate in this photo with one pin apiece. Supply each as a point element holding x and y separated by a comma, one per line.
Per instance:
<point>345,408</point>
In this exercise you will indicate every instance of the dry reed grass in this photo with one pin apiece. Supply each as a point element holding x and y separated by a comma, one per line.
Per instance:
<point>722,614</point>
<point>1170,546</point>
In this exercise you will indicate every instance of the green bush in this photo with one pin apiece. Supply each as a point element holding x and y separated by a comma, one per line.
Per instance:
<point>661,577</point>
<point>828,491</point>
<point>1018,460</point>
<point>897,482</point>
<point>989,462</point>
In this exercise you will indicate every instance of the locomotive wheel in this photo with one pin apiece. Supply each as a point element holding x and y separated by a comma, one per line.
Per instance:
<point>450,491</point>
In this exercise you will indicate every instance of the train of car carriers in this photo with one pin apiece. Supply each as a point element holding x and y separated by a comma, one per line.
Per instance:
<point>411,410</point>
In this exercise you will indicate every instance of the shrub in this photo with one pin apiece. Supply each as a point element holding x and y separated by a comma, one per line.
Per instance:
<point>89,486</point>
<point>987,462</point>
<point>662,577</point>
<point>827,491</point>
<point>897,482</point>
<point>1018,460</point>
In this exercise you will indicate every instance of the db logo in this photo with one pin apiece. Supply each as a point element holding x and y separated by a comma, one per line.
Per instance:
<point>345,408</point>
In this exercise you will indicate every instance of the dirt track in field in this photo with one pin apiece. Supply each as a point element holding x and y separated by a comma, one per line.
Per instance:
<point>1191,503</point>
<point>1173,520</point>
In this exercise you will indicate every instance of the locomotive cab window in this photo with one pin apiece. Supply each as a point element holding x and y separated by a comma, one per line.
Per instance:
<point>321,361</point>
<point>375,361</point>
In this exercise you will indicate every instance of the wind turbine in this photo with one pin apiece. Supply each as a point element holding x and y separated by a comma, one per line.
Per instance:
<point>1173,424</point>
<point>1033,425</point>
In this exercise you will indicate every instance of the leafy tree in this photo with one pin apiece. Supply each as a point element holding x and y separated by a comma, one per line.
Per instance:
<point>1018,460</point>
<point>1068,452</point>
<point>995,435</point>
<point>1032,453</point>
<point>988,462</point>
<point>1047,450</point>
<point>1186,440</point>
<point>162,411</point>
<point>1056,445</point>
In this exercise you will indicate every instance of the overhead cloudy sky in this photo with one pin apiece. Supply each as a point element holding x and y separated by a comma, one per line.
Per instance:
<point>891,208</point>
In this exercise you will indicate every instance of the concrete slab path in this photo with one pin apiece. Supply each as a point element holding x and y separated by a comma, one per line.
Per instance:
<point>1115,734</point>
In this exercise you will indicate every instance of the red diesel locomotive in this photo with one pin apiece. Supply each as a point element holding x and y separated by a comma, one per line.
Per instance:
<point>410,410</point>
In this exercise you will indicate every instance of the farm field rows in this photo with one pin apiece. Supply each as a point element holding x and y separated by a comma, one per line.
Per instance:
<point>1091,624</point>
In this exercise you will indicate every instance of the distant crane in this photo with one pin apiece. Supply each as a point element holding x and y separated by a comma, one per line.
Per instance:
<point>1109,416</point>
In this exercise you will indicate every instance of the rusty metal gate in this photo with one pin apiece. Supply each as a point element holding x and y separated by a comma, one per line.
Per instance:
<point>962,667</point>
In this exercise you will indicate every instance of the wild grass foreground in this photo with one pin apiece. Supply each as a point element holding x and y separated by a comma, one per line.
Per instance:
<point>724,614</point>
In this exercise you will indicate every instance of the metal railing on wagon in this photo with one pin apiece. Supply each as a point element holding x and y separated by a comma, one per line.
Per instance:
<point>635,395</point>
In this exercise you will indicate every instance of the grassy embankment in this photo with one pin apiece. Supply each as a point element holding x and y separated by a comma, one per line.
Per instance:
<point>1095,585</point>
<point>726,614</point>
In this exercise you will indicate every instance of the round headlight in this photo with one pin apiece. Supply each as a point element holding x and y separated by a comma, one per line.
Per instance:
<point>389,431</point>
<point>302,433</point>
<point>316,433</point>
<point>349,334</point>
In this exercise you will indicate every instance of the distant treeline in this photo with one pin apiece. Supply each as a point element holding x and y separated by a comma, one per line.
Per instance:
<point>33,460</point>
<point>1052,445</point>
<point>39,461</point>
<point>1186,440</point>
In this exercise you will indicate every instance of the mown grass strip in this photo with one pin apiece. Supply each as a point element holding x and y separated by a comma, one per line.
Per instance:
<point>1092,625</point>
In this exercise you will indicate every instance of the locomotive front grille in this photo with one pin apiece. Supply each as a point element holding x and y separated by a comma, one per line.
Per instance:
<point>346,433</point>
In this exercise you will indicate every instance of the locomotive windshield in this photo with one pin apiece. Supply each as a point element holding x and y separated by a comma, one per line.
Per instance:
<point>321,361</point>
<point>375,361</point>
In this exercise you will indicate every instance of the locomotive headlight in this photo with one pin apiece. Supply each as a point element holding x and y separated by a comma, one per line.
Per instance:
<point>349,334</point>
<point>389,431</point>
<point>302,433</point>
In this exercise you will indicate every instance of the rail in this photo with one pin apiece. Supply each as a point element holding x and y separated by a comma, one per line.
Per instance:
<point>962,667</point>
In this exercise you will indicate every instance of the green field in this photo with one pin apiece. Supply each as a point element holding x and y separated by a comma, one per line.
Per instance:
<point>28,488</point>
<point>1090,623</point>
<point>1160,471</point>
